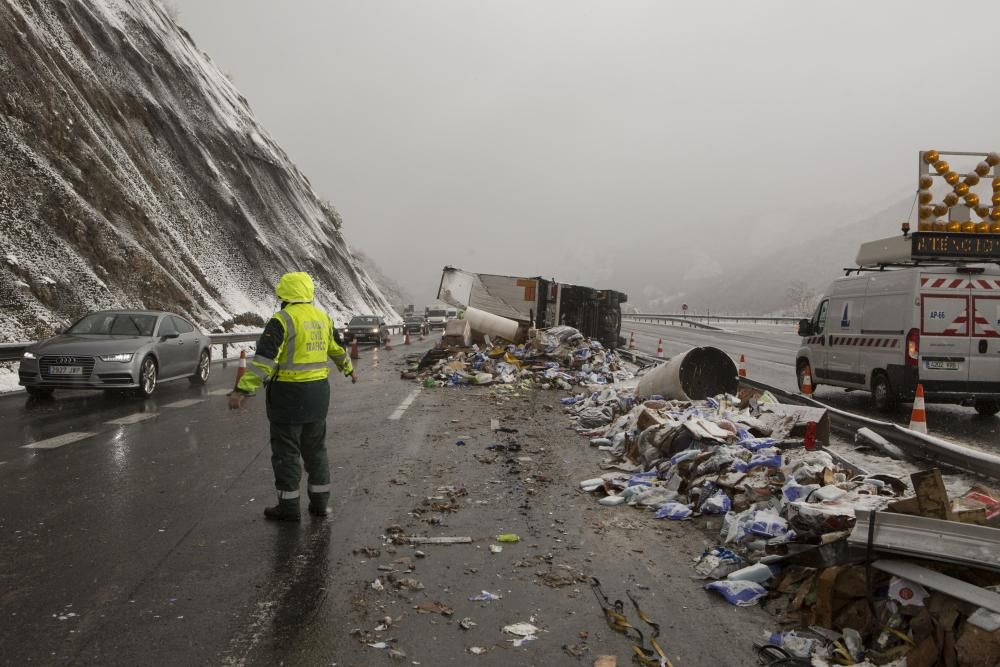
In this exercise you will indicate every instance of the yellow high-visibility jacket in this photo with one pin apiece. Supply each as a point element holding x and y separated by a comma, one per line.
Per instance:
<point>297,342</point>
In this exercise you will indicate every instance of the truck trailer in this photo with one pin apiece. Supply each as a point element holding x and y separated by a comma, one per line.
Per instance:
<point>537,302</point>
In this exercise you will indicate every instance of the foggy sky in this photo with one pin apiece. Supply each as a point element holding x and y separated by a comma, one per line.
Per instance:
<point>617,144</point>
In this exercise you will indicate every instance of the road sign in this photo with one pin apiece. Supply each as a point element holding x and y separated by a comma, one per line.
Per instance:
<point>684,307</point>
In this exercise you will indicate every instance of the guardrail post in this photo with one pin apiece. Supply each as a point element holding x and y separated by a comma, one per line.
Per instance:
<point>225,350</point>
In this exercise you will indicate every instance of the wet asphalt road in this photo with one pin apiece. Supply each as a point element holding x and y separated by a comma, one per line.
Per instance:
<point>770,353</point>
<point>143,542</point>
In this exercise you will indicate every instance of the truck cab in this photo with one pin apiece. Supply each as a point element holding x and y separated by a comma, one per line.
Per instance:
<point>437,317</point>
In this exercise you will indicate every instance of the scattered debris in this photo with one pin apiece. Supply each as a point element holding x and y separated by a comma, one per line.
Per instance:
<point>434,608</point>
<point>466,623</point>
<point>485,596</point>
<point>559,357</point>
<point>495,548</point>
<point>477,650</point>
<point>434,540</point>
<point>508,537</point>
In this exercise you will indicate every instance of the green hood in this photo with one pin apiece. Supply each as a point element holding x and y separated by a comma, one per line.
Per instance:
<point>296,287</point>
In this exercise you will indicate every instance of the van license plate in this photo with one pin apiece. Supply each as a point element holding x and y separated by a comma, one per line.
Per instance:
<point>942,365</point>
<point>66,370</point>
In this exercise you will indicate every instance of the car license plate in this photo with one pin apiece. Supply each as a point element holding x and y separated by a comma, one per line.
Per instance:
<point>66,370</point>
<point>942,365</point>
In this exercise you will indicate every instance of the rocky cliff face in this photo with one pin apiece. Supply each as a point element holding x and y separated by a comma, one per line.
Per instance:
<point>133,173</point>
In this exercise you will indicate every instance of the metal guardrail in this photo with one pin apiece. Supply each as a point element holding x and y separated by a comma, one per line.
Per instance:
<point>928,448</point>
<point>653,319</point>
<point>719,318</point>
<point>14,351</point>
<point>917,445</point>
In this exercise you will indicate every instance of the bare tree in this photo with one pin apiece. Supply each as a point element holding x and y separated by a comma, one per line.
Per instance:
<point>800,296</point>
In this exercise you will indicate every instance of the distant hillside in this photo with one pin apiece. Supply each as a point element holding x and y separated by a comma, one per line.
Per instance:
<point>133,173</point>
<point>759,283</point>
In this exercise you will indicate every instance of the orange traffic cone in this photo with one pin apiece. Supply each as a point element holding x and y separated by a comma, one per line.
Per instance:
<point>807,382</point>
<point>406,337</point>
<point>631,341</point>
<point>242,368</point>
<point>388,342</point>
<point>918,418</point>
<point>743,367</point>
<point>659,349</point>
<point>355,354</point>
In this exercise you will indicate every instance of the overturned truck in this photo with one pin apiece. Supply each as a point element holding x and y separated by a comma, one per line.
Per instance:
<point>537,302</point>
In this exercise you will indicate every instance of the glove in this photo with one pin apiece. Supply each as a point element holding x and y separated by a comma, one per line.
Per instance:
<point>236,399</point>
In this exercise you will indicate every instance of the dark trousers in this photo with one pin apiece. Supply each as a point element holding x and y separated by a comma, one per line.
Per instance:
<point>289,442</point>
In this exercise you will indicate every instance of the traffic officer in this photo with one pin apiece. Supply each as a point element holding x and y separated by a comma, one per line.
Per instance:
<point>291,360</point>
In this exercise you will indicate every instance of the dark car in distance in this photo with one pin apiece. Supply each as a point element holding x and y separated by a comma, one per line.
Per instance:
<point>415,324</point>
<point>366,328</point>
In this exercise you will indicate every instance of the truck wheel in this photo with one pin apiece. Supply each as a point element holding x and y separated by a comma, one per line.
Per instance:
<point>883,396</point>
<point>987,406</point>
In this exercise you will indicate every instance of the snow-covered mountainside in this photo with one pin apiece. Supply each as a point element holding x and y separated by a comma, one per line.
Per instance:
<point>133,173</point>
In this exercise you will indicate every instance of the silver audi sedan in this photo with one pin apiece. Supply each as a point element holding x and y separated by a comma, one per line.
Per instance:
<point>116,350</point>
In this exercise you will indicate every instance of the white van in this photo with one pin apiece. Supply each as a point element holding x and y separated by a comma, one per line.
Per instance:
<point>887,330</point>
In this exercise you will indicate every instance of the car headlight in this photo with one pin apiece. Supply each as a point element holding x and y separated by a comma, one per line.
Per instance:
<point>123,357</point>
<point>28,355</point>
<point>375,330</point>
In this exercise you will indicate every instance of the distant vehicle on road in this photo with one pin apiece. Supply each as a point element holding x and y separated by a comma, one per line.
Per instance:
<point>887,331</point>
<point>452,313</point>
<point>115,350</point>
<point>367,328</point>
<point>414,323</point>
<point>437,317</point>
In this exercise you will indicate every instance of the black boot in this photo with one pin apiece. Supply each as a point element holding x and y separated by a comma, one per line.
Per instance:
<point>319,504</point>
<point>287,509</point>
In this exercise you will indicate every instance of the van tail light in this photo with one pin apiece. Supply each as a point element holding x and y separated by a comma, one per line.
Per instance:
<point>913,347</point>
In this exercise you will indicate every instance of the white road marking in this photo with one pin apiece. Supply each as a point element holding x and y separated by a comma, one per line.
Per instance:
<point>60,440</point>
<point>186,403</point>
<point>219,392</point>
<point>132,419</point>
<point>405,404</point>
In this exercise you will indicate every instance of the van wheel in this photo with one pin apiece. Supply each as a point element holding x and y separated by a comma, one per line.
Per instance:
<point>882,394</point>
<point>987,406</point>
<point>800,373</point>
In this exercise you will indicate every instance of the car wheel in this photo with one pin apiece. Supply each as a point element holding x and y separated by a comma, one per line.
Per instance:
<point>987,406</point>
<point>39,392</point>
<point>204,369</point>
<point>147,378</point>
<point>883,396</point>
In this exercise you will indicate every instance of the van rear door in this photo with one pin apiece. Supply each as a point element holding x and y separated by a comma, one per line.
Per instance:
<point>945,343</point>
<point>984,370</point>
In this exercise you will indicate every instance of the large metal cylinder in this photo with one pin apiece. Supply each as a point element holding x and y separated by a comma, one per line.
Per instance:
<point>699,373</point>
<point>492,325</point>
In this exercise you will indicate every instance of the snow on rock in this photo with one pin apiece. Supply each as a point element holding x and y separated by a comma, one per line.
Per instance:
<point>133,173</point>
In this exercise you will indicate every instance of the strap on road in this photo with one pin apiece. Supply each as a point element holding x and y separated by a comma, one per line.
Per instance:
<point>614,614</point>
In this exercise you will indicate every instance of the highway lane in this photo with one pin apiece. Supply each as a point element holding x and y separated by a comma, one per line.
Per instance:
<point>144,542</point>
<point>770,353</point>
<point>118,544</point>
